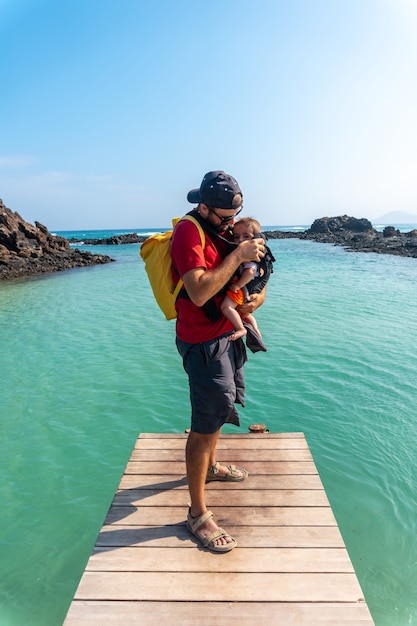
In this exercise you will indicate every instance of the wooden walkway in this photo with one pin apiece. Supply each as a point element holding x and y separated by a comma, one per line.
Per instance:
<point>290,567</point>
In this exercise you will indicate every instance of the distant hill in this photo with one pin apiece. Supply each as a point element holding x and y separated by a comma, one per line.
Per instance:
<point>395,217</point>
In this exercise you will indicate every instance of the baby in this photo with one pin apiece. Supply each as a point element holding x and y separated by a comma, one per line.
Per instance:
<point>245,228</point>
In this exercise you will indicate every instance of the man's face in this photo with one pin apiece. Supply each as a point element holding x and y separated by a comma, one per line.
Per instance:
<point>221,218</point>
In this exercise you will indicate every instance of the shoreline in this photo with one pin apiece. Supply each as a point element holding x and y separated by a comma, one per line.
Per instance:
<point>355,235</point>
<point>27,250</point>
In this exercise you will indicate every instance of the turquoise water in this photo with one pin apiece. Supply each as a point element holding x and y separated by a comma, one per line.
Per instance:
<point>88,362</point>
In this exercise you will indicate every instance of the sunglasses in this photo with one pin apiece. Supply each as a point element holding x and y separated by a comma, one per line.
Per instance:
<point>225,220</point>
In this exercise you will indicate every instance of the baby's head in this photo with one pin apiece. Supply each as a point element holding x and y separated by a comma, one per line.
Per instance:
<point>246,228</point>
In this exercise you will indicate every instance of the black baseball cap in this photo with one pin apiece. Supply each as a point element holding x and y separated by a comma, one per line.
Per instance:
<point>217,190</point>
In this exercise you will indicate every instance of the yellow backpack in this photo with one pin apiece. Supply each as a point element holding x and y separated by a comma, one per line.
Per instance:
<point>155,252</point>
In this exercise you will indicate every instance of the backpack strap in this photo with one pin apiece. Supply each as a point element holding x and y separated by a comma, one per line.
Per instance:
<point>197,224</point>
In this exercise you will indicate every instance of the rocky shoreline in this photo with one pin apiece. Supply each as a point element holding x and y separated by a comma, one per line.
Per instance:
<point>353,234</point>
<point>356,235</point>
<point>27,250</point>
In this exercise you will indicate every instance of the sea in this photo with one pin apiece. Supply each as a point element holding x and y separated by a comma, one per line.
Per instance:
<point>88,362</point>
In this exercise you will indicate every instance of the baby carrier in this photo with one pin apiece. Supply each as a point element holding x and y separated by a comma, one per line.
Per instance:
<point>264,270</point>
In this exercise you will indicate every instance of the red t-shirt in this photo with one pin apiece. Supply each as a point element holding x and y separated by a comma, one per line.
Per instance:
<point>193,325</point>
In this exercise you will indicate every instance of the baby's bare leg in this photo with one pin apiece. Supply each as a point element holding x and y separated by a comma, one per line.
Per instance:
<point>251,319</point>
<point>228,308</point>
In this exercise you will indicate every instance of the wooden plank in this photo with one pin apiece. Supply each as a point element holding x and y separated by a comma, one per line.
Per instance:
<point>260,560</point>
<point>290,567</point>
<point>225,437</point>
<point>257,468</point>
<point>218,497</point>
<point>279,454</point>
<point>231,587</point>
<point>87,613</point>
<point>268,442</point>
<point>249,536</point>
<point>267,516</point>
<point>165,482</point>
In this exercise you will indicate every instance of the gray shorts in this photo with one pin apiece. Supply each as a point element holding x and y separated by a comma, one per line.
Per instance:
<point>216,377</point>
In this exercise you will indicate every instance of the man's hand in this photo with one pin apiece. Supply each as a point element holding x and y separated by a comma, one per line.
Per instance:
<point>254,302</point>
<point>251,250</point>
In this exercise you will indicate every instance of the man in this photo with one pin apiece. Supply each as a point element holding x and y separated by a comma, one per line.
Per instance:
<point>214,364</point>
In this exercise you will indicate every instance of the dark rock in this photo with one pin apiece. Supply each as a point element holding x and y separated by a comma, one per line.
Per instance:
<point>116,240</point>
<point>357,235</point>
<point>281,234</point>
<point>27,250</point>
<point>340,224</point>
<point>390,231</point>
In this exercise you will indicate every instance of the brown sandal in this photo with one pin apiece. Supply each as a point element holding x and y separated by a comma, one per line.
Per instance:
<point>194,523</point>
<point>236,474</point>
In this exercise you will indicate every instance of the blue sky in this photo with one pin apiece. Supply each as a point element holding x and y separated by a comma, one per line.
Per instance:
<point>111,110</point>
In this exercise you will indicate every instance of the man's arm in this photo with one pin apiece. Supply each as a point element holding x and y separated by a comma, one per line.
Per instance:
<point>202,284</point>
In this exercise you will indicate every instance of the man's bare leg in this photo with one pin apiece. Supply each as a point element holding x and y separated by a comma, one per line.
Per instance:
<point>198,451</point>
<point>212,457</point>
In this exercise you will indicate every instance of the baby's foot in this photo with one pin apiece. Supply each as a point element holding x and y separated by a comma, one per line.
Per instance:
<point>237,334</point>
